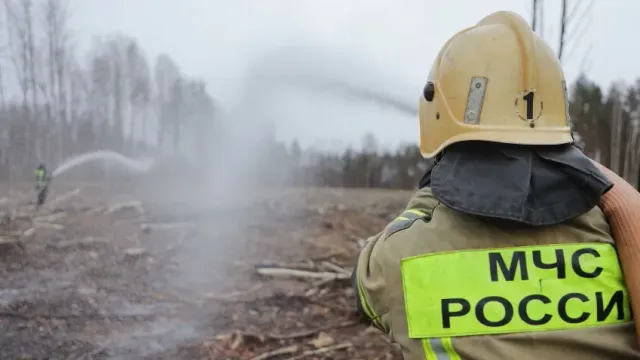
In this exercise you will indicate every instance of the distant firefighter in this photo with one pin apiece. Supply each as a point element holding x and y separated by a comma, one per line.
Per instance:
<point>43,178</point>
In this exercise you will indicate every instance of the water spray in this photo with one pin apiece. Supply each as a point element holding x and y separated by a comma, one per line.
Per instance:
<point>135,165</point>
<point>323,70</point>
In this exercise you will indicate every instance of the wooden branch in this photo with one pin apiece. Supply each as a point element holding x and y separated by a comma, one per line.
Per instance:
<point>283,272</point>
<point>324,350</point>
<point>282,351</point>
<point>299,334</point>
<point>135,205</point>
<point>333,267</point>
<point>50,218</point>
<point>62,198</point>
<point>43,225</point>
<point>167,226</point>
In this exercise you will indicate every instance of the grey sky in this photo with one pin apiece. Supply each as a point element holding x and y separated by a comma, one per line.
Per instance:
<point>394,41</point>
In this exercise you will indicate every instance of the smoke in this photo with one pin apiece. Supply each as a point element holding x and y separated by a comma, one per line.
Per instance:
<point>291,86</point>
<point>316,81</point>
<point>285,89</point>
<point>344,76</point>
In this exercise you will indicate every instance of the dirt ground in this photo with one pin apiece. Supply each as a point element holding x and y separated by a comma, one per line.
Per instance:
<point>115,272</point>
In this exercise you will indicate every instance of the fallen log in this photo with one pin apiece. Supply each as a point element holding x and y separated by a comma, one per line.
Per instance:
<point>282,351</point>
<point>9,244</point>
<point>129,205</point>
<point>29,233</point>
<point>62,198</point>
<point>166,226</point>
<point>324,350</point>
<point>333,267</point>
<point>235,294</point>
<point>302,274</point>
<point>51,218</point>
<point>43,225</point>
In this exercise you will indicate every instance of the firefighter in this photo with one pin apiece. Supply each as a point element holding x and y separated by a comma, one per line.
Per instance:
<point>503,252</point>
<point>43,178</point>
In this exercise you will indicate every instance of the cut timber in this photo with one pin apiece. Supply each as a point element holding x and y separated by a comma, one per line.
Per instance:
<point>7,245</point>
<point>85,242</point>
<point>166,226</point>
<point>333,267</point>
<point>51,218</point>
<point>96,210</point>
<point>135,253</point>
<point>16,233</point>
<point>283,272</point>
<point>324,350</point>
<point>234,294</point>
<point>29,233</point>
<point>282,351</point>
<point>306,265</point>
<point>62,198</point>
<point>43,225</point>
<point>129,205</point>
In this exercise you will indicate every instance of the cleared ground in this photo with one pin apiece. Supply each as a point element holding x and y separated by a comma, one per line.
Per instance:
<point>118,272</point>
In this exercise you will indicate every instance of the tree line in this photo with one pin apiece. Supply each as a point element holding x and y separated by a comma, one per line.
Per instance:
<point>56,103</point>
<point>114,97</point>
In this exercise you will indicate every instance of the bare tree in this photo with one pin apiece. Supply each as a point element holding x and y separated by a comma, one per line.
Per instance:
<point>574,25</point>
<point>28,37</point>
<point>99,79</point>
<point>563,28</point>
<point>616,132</point>
<point>175,112</point>
<point>3,101</point>
<point>166,74</point>
<point>139,90</point>
<point>4,54</point>
<point>26,6</point>
<point>20,127</point>
<point>17,45</point>
<point>110,88</point>
<point>56,34</point>
<point>534,14</point>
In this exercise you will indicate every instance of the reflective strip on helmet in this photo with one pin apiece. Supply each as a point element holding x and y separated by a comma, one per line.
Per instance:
<point>513,290</point>
<point>439,349</point>
<point>477,88</point>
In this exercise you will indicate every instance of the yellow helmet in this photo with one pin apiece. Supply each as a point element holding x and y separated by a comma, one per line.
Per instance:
<point>498,82</point>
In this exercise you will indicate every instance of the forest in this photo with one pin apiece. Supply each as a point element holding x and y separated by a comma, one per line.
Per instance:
<point>116,97</point>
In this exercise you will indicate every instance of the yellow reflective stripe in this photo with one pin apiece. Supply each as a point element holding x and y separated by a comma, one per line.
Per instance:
<point>439,349</point>
<point>410,214</point>
<point>404,221</point>
<point>447,344</point>
<point>418,213</point>
<point>513,290</point>
<point>364,301</point>
<point>429,353</point>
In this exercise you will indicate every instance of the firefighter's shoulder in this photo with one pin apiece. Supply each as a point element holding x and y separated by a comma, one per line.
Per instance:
<point>405,220</point>
<point>420,207</point>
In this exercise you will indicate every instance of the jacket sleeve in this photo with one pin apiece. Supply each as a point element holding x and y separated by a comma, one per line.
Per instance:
<point>369,277</point>
<point>369,283</point>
